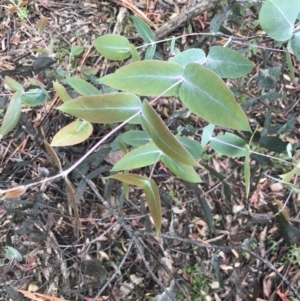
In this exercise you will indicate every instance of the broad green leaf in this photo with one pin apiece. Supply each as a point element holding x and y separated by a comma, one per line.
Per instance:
<point>113,47</point>
<point>61,92</point>
<point>184,172</point>
<point>136,138</point>
<point>192,146</point>
<point>153,202</point>
<point>229,145</point>
<point>12,115</point>
<point>143,29</point>
<point>134,53</point>
<point>295,44</point>
<point>206,95</point>
<point>277,18</point>
<point>82,87</point>
<point>106,108</point>
<point>12,253</point>
<point>74,133</point>
<point>12,84</point>
<point>76,50</point>
<point>188,56</point>
<point>34,97</point>
<point>207,134</point>
<point>163,138</point>
<point>150,52</point>
<point>148,78</point>
<point>142,156</point>
<point>227,63</point>
<point>247,170</point>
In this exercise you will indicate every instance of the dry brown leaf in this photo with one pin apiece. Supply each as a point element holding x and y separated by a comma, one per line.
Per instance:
<point>39,297</point>
<point>15,193</point>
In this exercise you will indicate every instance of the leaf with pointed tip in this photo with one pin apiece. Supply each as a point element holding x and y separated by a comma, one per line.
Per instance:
<point>113,47</point>
<point>207,134</point>
<point>12,115</point>
<point>184,172</point>
<point>188,56</point>
<point>12,84</point>
<point>148,78</point>
<point>277,18</point>
<point>163,138</point>
<point>61,92</point>
<point>206,95</point>
<point>151,192</point>
<point>53,155</point>
<point>106,108</point>
<point>227,63</point>
<point>34,97</point>
<point>142,156</point>
<point>229,145</point>
<point>295,44</point>
<point>143,29</point>
<point>136,138</point>
<point>15,192</point>
<point>74,133</point>
<point>192,146</point>
<point>82,87</point>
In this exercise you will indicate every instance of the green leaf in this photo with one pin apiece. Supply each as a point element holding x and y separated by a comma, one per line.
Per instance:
<point>277,18</point>
<point>247,170</point>
<point>229,145</point>
<point>136,138</point>
<point>184,172</point>
<point>163,138</point>
<point>106,108</point>
<point>295,44</point>
<point>153,202</point>
<point>113,47</point>
<point>151,192</point>
<point>188,56</point>
<point>134,53</point>
<point>206,95</point>
<point>12,115</point>
<point>150,52</point>
<point>192,146</point>
<point>12,84</point>
<point>207,134</point>
<point>73,133</point>
<point>76,50</point>
<point>12,253</point>
<point>82,87</point>
<point>227,63</point>
<point>142,156</point>
<point>61,92</point>
<point>287,177</point>
<point>34,97</point>
<point>143,30</point>
<point>148,78</point>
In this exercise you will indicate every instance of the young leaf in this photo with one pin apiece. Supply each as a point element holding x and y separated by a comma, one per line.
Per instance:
<point>184,172</point>
<point>76,50</point>
<point>227,63</point>
<point>82,87</point>
<point>163,138</point>
<point>12,114</point>
<point>277,18</point>
<point>142,156</point>
<point>12,253</point>
<point>229,145</point>
<point>150,52</point>
<point>136,138</point>
<point>73,133</point>
<point>12,84</point>
<point>34,97</point>
<point>207,134</point>
<point>148,78</point>
<point>206,95</point>
<point>188,56</point>
<point>143,30</point>
<point>61,92</point>
<point>106,108</point>
<point>134,53</point>
<point>113,47</point>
